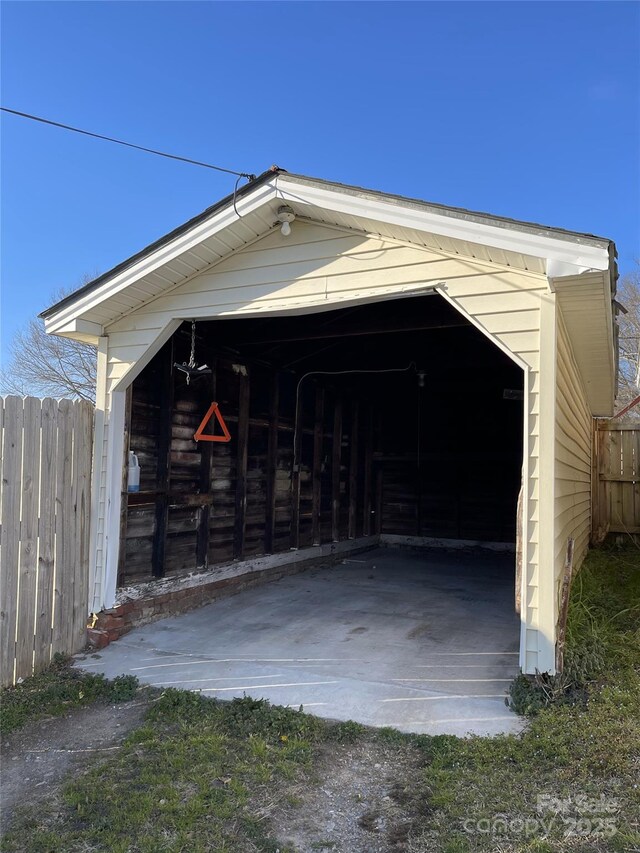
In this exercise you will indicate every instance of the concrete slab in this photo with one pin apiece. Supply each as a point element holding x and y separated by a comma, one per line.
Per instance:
<point>425,642</point>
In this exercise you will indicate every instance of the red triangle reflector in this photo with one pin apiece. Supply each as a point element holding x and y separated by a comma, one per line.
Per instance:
<point>214,412</point>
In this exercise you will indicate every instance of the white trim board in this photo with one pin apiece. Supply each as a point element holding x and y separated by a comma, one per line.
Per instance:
<point>408,215</point>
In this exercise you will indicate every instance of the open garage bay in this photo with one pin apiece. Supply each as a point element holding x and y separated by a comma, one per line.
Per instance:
<point>424,641</point>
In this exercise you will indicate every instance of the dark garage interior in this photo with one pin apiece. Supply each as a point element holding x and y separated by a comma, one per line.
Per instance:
<point>395,417</point>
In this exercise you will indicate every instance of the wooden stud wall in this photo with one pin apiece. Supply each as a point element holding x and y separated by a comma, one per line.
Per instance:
<point>202,504</point>
<point>369,455</point>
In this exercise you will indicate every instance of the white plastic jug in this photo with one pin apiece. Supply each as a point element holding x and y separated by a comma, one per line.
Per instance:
<point>133,478</point>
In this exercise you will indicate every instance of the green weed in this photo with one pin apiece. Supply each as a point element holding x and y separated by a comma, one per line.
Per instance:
<point>603,633</point>
<point>58,689</point>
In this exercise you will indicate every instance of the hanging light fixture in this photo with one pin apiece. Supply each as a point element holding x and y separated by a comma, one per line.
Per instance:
<point>286,217</point>
<point>191,368</point>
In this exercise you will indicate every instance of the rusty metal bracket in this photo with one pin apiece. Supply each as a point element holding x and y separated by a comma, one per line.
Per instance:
<point>213,411</point>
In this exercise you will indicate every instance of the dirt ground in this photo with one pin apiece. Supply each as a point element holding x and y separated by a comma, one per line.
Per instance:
<point>38,758</point>
<point>356,804</point>
<point>353,802</point>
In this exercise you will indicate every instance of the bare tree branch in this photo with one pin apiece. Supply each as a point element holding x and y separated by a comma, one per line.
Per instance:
<point>45,365</point>
<point>629,340</point>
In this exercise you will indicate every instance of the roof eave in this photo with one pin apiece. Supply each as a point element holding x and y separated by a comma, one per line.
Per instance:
<point>458,213</point>
<point>227,201</point>
<point>586,305</point>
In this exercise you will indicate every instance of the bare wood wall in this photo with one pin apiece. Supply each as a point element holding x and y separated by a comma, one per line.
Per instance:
<point>616,479</point>
<point>201,504</point>
<point>450,462</point>
<point>45,474</point>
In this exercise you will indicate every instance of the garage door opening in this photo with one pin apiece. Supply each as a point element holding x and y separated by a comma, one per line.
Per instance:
<point>397,419</point>
<point>396,423</point>
<point>352,431</point>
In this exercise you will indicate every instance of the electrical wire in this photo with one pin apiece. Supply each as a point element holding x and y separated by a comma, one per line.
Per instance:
<point>410,366</point>
<point>47,121</point>
<point>235,193</point>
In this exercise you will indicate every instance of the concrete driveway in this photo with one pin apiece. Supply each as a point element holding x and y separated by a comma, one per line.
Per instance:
<point>425,642</point>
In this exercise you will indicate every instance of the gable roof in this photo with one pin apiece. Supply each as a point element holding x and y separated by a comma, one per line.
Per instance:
<point>580,268</point>
<point>456,215</point>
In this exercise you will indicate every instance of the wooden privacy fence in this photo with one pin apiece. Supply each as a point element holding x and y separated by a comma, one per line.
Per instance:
<point>45,473</point>
<point>616,478</point>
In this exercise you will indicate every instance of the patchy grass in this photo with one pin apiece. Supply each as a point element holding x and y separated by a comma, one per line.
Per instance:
<point>481,789</point>
<point>56,691</point>
<point>182,782</point>
<point>603,636</point>
<point>201,775</point>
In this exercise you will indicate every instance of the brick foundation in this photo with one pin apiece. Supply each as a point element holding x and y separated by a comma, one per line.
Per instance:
<point>112,624</point>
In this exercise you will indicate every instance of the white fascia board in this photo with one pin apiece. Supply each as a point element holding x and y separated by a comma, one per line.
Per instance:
<point>164,255</point>
<point>77,330</point>
<point>568,288</point>
<point>557,269</point>
<point>578,256</point>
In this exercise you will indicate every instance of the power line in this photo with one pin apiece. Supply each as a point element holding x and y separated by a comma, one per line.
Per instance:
<point>127,144</point>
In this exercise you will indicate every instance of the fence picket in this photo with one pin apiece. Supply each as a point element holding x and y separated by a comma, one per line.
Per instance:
<point>46,534</point>
<point>28,534</point>
<point>9,535</point>
<point>63,589</point>
<point>81,478</point>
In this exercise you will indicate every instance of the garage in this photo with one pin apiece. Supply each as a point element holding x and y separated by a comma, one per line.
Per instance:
<point>375,372</point>
<point>394,423</point>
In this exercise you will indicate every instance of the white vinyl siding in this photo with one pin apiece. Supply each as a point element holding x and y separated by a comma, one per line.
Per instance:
<point>573,443</point>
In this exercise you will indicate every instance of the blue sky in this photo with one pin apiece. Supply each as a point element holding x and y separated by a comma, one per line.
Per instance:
<point>529,110</point>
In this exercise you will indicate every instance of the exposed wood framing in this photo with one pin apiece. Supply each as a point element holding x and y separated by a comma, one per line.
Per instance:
<point>163,475</point>
<point>124,508</point>
<point>353,469</point>
<point>357,333</point>
<point>351,473</point>
<point>295,474</point>
<point>317,464</point>
<point>272,464</point>
<point>204,512</point>
<point>241,467</point>
<point>335,471</point>
<point>378,476</point>
<point>368,471</point>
